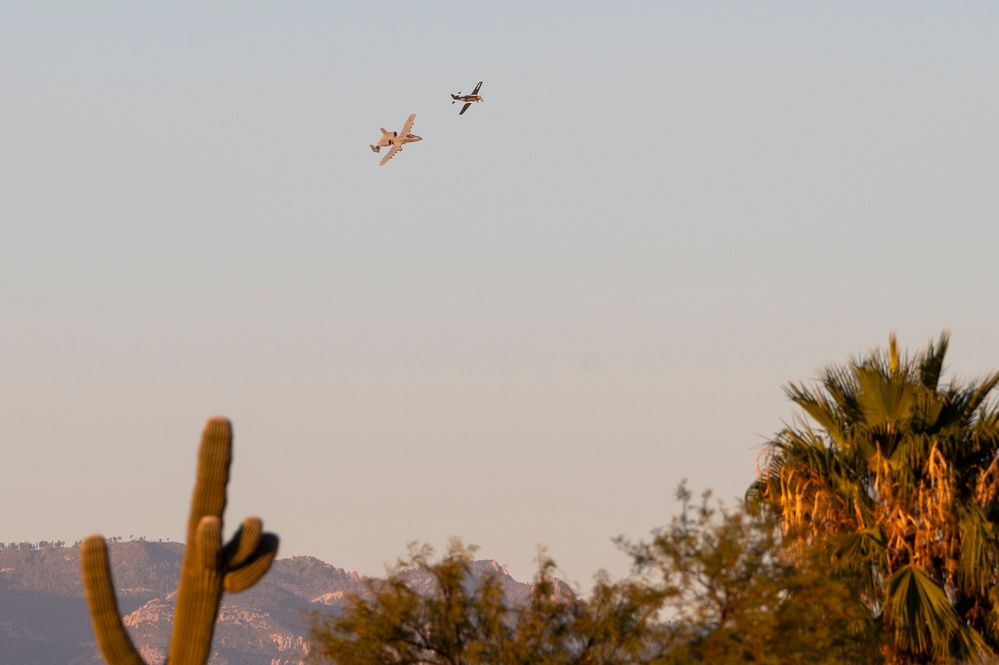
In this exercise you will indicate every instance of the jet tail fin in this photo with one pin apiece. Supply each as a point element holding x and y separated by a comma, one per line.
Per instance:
<point>375,148</point>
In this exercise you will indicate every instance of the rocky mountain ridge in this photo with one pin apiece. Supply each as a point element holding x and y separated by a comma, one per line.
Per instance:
<point>44,619</point>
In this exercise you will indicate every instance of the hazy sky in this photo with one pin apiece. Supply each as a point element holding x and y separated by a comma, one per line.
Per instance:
<point>526,329</point>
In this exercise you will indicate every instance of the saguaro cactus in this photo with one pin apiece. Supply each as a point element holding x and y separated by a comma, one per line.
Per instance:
<point>208,567</point>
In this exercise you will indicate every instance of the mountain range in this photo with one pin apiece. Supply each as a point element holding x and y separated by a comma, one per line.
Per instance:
<point>44,619</point>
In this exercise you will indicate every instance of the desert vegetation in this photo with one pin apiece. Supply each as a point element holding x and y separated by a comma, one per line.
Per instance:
<point>870,536</point>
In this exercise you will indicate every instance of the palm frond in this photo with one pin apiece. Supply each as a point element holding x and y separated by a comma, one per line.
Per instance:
<point>977,559</point>
<point>867,545</point>
<point>931,362</point>
<point>884,401</point>
<point>924,620</point>
<point>976,397</point>
<point>825,412</point>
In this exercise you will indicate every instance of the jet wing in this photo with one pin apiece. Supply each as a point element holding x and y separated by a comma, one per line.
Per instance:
<point>464,108</point>
<point>390,155</point>
<point>476,91</point>
<point>408,127</point>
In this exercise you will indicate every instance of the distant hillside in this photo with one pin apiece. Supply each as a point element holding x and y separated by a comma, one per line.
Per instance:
<point>44,620</point>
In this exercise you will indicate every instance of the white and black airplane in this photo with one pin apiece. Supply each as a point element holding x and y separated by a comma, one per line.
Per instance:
<point>396,141</point>
<point>468,99</point>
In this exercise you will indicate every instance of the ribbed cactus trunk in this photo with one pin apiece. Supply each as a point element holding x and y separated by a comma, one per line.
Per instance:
<point>207,569</point>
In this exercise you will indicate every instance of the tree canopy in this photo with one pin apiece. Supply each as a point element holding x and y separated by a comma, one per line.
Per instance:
<point>895,474</point>
<point>464,619</point>
<point>711,586</point>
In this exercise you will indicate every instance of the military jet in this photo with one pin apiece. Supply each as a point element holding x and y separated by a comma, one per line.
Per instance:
<point>395,140</point>
<point>468,99</point>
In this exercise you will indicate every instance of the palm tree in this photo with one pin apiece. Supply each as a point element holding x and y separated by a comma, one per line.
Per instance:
<point>897,475</point>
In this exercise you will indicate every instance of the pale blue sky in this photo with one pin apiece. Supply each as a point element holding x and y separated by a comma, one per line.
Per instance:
<point>527,328</point>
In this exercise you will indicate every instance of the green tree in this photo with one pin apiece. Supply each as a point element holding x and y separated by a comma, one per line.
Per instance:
<point>734,594</point>
<point>713,586</point>
<point>896,474</point>
<point>465,620</point>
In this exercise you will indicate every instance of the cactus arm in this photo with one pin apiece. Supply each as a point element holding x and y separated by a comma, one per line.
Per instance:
<point>244,543</point>
<point>248,555</point>
<point>248,573</point>
<point>208,544</point>
<point>112,638</point>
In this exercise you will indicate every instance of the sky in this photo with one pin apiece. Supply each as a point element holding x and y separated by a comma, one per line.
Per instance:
<point>525,330</point>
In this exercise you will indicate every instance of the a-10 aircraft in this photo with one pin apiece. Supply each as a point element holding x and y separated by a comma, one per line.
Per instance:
<point>468,99</point>
<point>395,140</point>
